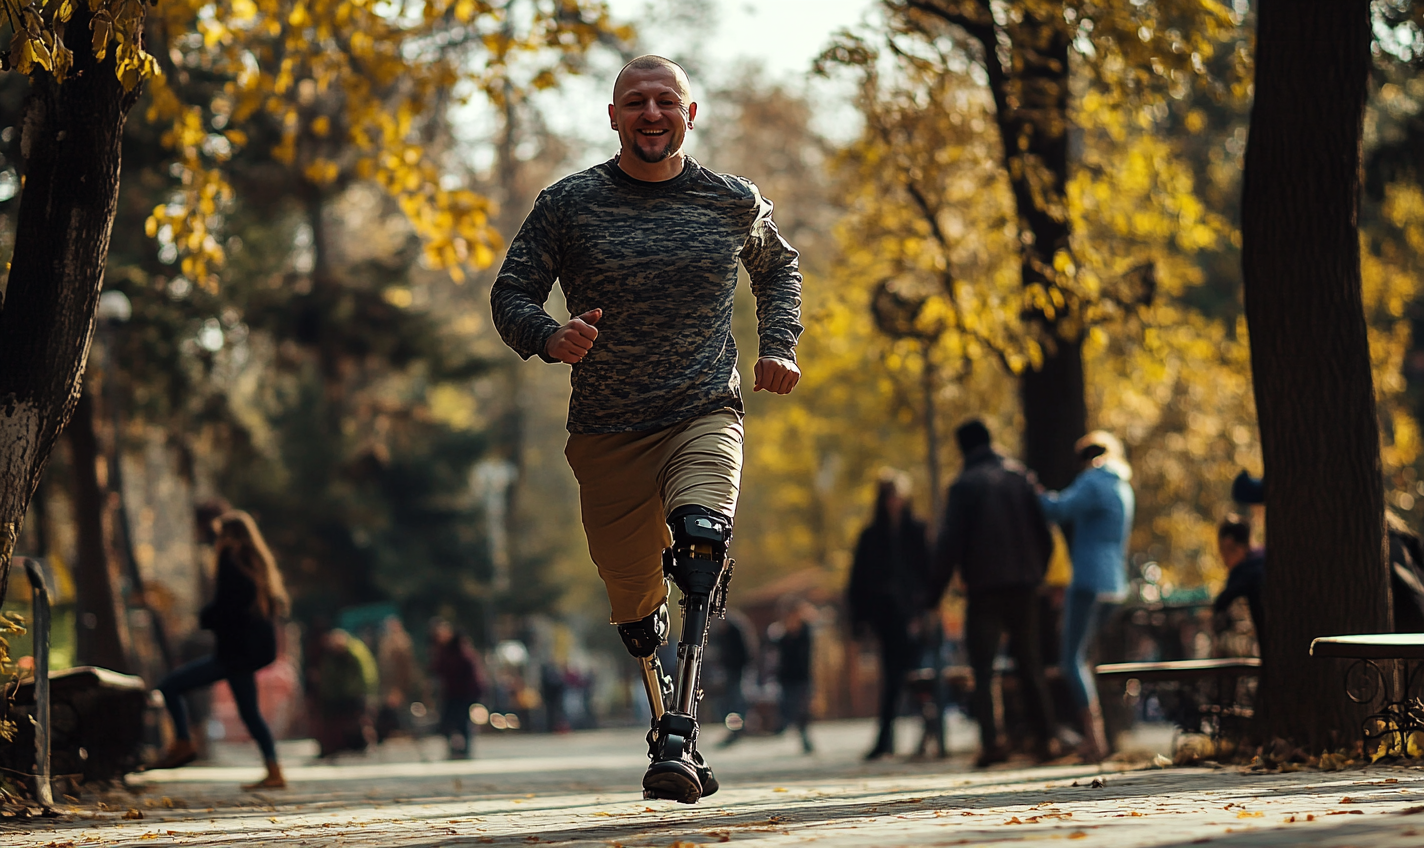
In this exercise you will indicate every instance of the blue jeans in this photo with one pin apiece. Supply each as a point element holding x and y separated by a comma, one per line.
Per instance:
<point>206,672</point>
<point>1084,614</point>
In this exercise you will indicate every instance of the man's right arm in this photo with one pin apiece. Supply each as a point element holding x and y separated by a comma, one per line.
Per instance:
<point>525,279</point>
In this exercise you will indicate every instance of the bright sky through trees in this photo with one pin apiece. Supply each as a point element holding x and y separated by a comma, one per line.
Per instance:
<point>782,35</point>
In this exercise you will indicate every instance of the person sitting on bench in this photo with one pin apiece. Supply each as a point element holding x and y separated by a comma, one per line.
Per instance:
<point>1246,572</point>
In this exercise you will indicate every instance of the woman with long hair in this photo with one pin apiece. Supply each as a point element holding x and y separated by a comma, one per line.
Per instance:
<point>249,598</point>
<point>1098,505</point>
<point>887,590</point>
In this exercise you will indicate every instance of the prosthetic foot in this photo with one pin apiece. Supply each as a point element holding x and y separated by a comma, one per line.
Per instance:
<point>697,563</point>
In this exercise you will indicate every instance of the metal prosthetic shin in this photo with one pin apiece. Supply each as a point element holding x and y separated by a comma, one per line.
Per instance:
<point>697,563</point>
<point>642,639</point>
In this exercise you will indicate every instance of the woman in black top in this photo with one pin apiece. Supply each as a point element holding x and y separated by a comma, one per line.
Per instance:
<point>887,590</point>
<point>248,599</point>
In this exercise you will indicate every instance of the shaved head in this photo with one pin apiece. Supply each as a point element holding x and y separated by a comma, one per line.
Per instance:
<point>655,63</point>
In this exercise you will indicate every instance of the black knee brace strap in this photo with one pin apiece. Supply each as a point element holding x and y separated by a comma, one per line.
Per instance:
<point>700,533</point>
<point>697,562</point>
<point>643,638</point>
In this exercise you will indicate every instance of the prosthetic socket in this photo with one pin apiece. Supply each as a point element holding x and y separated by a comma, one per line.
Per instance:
<point>697,564</point>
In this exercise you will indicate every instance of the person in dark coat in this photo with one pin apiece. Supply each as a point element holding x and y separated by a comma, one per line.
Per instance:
<point>735,641</point>
<point>791,638</point>
<point>1406,560</point>
<point>888,589</point>
<point>995,537</point>
<point>1406,574</point>
<point>248,598</point>
<point>453,662</point>
<point>1245,573</point>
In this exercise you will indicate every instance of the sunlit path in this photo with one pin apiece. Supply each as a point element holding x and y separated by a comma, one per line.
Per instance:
<point>580,790</point>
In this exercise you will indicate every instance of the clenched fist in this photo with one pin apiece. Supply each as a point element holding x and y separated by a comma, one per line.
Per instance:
<point>776,375</point>
<point>572,342</point>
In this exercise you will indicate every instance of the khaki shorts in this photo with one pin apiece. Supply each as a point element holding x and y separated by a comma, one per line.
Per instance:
<point>629,482</point>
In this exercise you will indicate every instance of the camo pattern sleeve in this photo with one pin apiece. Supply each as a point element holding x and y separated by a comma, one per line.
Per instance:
<point>525,280</point>
<point>660,260</point>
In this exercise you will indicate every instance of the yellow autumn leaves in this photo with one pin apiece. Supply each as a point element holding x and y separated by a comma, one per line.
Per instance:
<point>350,84</point>
<point>38,40</point>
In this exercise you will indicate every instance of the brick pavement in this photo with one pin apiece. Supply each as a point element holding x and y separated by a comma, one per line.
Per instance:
<point>578,790</point>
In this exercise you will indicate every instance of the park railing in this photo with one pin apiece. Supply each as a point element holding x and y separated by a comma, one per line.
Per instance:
<point>36,572</point>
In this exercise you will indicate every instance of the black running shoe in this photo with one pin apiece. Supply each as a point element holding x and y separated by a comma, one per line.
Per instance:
<point>705,775</point>
<point>674,780</point>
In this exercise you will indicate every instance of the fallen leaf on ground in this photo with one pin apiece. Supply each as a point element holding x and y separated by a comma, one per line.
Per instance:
<point>133,814</point>
<point>1098,783</point>
<point>1077,834</point>
<point>1346,813</point>
<point>1250,814</point>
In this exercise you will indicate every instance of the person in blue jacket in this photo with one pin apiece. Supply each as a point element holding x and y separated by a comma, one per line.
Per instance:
<point>1098,506</point>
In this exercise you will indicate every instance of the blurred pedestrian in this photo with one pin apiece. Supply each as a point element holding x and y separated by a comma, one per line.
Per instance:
<point>792,640</point>
<point>1406,560</point>
<point>734,639</point>
<point>399,676</point>
<point>248,598</point>
<point>456,667</point>
<point>1098,506</point>
<point>995,537</point>
<point>553,686</point>
<point>1406,568</point>
<point>1245,573</point>
<point>346,684</point>
<point>888,588</point>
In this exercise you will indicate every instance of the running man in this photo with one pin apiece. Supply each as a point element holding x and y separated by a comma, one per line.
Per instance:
<point>645,247</point>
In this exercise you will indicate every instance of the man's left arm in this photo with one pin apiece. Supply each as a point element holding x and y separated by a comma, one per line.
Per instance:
<point>773,267</point>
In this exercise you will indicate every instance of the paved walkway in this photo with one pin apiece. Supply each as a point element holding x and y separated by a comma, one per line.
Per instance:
<point>580,790</point>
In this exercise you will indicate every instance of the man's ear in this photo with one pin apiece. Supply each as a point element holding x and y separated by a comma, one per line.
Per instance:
<point>691,114</point>
<point>612,116</point>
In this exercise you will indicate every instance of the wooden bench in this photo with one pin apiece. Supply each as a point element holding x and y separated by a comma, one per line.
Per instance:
<point>97,718</point>
<point>1391,730</point>
<point>1196,710</point>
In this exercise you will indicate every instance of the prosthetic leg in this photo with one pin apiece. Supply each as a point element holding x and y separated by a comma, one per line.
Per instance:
<point>697,564</point>
<point>642,639</point>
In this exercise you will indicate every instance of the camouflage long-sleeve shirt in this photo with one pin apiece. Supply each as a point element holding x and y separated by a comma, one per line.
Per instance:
<point>660,260</point>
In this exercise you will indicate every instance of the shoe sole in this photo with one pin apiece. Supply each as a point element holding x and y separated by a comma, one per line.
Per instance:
<point>172,764</point>
<point>671,782</point>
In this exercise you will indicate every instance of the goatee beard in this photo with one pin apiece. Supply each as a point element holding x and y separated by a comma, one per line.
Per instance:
<point>652,157</point>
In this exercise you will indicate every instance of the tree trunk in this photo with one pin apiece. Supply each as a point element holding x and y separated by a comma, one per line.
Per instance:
<point>1055,410</point>
<point>1031,109</point>
<point>70,141</point>
<point>1310,360</point>
<point>101,624</point>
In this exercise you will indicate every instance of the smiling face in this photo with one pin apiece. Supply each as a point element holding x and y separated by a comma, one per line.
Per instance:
<point>652,110</point>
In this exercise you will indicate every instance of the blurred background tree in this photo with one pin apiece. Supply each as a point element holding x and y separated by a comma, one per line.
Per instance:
<point>314,197</point>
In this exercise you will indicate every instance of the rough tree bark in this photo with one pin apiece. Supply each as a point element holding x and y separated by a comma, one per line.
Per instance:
<point>1030,93</point>
<point>70,142</point>
<point>1310,359</point>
